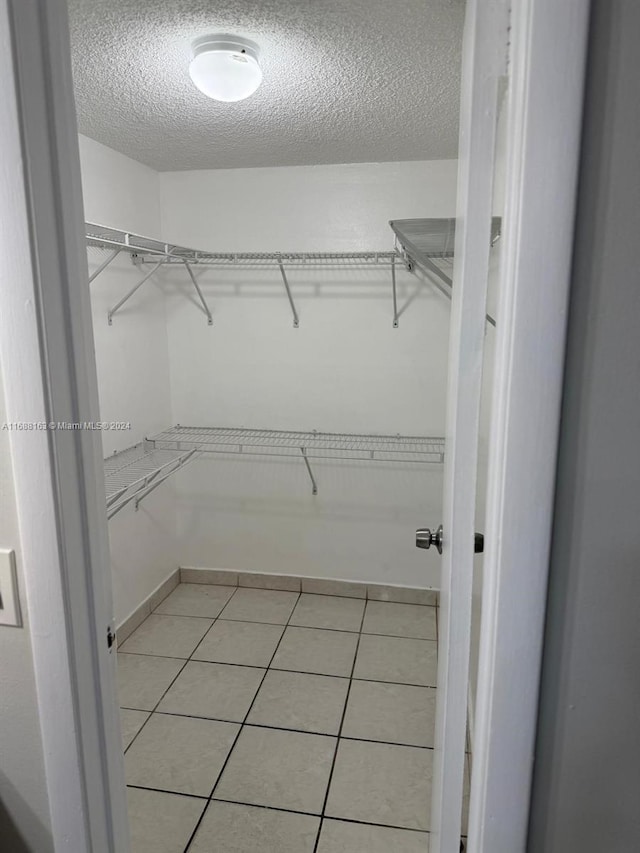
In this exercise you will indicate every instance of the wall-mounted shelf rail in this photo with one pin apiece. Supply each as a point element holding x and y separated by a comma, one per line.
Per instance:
<point>132,474</point>
<point>429,244</point>
<point>306,446</point>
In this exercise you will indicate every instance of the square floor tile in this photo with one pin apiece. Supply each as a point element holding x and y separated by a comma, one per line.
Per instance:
<point>291,700</point>
<point>246,643</point>
<point>328,611</point>
<point>378,783</point>
<point>216,690</point>
<point>180,754</point>
<point>143,679</point>
<point>316,650</point>
<point>394,713</point>
<point>130,723</point>
<point>286,770</point>
<point>231,828</point>
<point>161,823</point>
<point>400,620</point>
<point>168,636</point>
<point>399,660</point>
<point>340,837</point>
<point>196,599</point>
<point>261,605</point>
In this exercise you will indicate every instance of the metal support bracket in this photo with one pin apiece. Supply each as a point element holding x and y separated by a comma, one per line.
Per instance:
<point>395,294</point>
<point>181,463</point>
<point>104,265</point>
<point>199,292</point>
<point>438,278</point>
<point>296,321</point>
<point>124,299</point>
<point>314,485</point>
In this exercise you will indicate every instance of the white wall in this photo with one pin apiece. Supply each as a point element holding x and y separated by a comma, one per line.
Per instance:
<point>25,822</point>
<point>133,365</point>
<point>24,804</point>
<point>344,369</point>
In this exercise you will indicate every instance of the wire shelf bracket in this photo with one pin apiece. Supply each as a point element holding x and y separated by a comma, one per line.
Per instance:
<point>199,292</point>
<point>128,296</point>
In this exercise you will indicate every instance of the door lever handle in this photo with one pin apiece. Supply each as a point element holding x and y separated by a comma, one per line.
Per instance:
<point>425,538</point>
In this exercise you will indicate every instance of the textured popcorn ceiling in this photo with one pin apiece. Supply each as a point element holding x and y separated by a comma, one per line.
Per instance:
<point>344,81</point>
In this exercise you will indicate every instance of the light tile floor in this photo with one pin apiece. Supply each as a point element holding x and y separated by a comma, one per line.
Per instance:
<point>261,720</point>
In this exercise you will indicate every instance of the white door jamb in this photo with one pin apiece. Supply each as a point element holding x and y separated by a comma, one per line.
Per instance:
<point>546,77</point>
<point>46,348</point>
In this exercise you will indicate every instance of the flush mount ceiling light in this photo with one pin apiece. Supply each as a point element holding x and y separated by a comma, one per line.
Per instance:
<point>225,68</point>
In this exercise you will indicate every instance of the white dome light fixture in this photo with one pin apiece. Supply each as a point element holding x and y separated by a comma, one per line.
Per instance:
<point>225,68</point>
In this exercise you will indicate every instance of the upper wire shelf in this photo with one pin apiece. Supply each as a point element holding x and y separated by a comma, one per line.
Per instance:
<point>407,252</point>
<point>429,245</point>
<point>149,250</point>
<point>146,250</point>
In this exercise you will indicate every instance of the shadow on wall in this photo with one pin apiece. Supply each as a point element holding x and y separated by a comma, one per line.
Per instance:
<point>12,839</point>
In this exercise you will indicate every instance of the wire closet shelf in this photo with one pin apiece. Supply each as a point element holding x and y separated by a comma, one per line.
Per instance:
<point>147,251</point>
<point>429,245</point>
<point>134,473</point>
<point>302,445</point>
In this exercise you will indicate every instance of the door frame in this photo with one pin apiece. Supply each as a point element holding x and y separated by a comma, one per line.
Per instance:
<point>547,64</point>
<point>46,349</point>
<point>484,65</point>
<point>49,371</point>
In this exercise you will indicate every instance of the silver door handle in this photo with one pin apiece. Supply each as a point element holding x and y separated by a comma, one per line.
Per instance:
<point>425,538</point>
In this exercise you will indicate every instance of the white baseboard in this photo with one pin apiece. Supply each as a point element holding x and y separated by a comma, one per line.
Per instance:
<point>134,619</point>
<point>320,586</point>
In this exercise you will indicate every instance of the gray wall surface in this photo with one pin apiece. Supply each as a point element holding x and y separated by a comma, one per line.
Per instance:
<point>586,796</point>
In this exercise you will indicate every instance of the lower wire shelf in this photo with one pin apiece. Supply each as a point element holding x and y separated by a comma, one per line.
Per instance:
<point>134,473</point>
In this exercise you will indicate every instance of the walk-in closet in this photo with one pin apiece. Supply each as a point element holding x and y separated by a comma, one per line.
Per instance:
<point>270,284</point>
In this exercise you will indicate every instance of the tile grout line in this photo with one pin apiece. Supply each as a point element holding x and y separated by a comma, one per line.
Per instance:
<point>278,624</point>
<point>242,725</point>
<point>285,810</point>
<point>180,671</point>
<point>268,668</point>
<point>344,713</point>
<point>281,728</point>
<point>295,625</point>
<point>279,669</point>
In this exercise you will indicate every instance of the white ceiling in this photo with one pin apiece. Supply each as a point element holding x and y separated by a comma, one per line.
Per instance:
<point>344,81</point>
